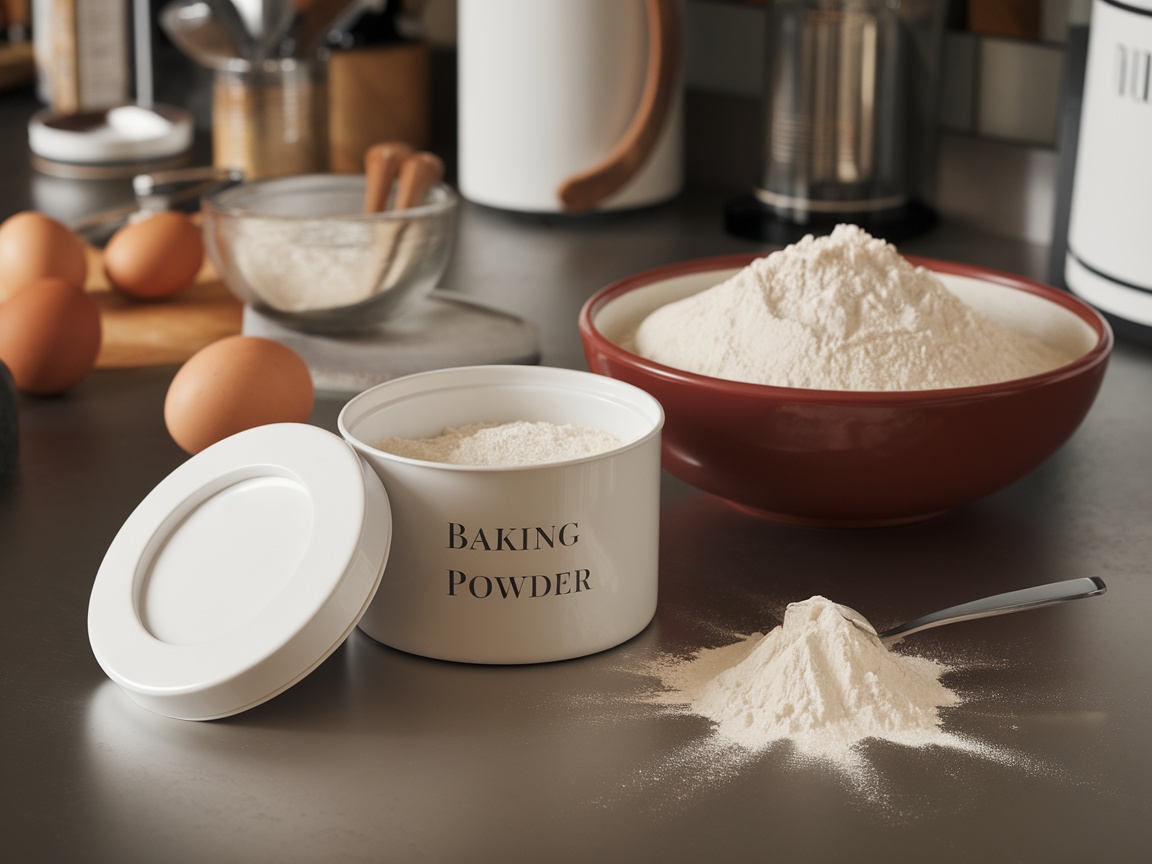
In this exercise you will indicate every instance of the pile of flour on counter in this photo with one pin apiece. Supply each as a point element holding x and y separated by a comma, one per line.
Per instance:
<point>843,312</point>
<point>819,681</point>
<point>520,442</point>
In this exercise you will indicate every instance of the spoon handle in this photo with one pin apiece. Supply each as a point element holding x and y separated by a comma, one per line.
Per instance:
<point>1001,604</point>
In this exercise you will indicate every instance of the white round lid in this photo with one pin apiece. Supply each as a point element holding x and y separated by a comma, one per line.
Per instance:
<point>123,133</point>
<point>240,572</point>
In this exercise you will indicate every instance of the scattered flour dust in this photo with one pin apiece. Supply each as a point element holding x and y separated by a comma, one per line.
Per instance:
<point>520,442</point>
<point>843,312</point>
<point>819,685</point>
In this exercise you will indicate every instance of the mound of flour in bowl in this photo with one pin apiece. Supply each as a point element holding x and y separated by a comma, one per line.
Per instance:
<point>818,680</point>
<point>843,312</point>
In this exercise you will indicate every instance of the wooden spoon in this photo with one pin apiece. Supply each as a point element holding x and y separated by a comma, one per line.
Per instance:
<point>313,20</point>
<point>419,173</point>
<point>381,167</point>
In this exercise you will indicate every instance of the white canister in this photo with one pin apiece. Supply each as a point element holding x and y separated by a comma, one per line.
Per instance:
<point>1108,261</point>
<point>570,105</point>
<point>517,564</point>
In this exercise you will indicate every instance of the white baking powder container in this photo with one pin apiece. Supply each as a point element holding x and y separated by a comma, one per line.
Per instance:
<point>519,564</point>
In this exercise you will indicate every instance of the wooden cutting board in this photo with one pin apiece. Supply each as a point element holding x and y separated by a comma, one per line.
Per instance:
<point>160,332</point>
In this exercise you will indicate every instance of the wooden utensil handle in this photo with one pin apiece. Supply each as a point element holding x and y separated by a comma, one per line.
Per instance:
<point>419,173</point>
<point>313,21</point>
<point>381,167</point>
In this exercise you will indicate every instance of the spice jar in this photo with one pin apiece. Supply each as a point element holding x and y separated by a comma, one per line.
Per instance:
<point>269,119</point>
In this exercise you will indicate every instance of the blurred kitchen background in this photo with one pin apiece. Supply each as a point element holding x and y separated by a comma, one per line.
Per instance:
<point>1002,89</point>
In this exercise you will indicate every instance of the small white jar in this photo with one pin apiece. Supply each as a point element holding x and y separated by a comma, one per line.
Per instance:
<point>520,564</point>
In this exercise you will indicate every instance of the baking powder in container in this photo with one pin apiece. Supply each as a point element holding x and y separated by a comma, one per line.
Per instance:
<point>514,564</point>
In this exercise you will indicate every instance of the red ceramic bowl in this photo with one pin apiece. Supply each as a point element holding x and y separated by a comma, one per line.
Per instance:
<point>826,457</point>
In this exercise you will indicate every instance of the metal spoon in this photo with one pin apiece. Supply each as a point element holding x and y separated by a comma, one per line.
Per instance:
<point>276,20</point>
<point>194,27</point>
<point>999,604</point>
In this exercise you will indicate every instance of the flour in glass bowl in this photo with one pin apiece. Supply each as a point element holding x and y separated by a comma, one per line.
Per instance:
<point>843,312</point>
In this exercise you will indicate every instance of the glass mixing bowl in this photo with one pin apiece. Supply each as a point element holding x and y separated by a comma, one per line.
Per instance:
<point>300,251</point>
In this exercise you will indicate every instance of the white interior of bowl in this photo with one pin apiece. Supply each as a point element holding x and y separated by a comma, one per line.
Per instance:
<point>1028,313</point>
<point>1025,313</point>
<point>421,406</point>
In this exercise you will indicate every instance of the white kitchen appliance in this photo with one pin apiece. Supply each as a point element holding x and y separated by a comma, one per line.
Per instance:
<point>1109,254</point>
<point>569,105</point>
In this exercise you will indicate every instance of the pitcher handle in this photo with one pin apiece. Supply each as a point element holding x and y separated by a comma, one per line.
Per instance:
<point>585,190</point>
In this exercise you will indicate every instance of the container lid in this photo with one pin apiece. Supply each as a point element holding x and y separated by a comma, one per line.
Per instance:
<point>240,572</point>
<point>127,134</point>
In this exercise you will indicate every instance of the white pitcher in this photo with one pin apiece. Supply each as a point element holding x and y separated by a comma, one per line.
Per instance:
<point>570,105</point>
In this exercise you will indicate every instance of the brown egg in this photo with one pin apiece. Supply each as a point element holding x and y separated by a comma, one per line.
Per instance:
<point>235,384</point>
<point>155,256</point>
<point>33,246</point>
<point>49,335</point>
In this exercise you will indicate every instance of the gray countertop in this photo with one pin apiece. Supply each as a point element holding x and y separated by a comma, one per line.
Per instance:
<point>379,755</point>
